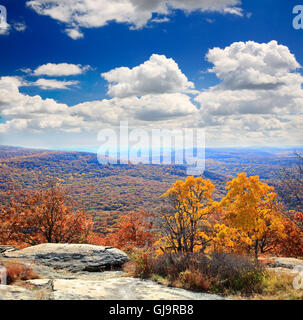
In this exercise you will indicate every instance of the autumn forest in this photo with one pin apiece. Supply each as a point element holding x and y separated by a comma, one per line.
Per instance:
<point>247,205</point>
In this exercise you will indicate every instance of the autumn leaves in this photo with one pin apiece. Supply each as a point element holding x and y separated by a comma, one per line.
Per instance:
<point>247,219</point>
<point>42,216</point>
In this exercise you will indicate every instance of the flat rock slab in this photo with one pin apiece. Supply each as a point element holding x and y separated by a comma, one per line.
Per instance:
<point>119,288</point>
<point>16,293</point>
<point>286,263</point>
<point>6,248</point>
<point>71,257</point>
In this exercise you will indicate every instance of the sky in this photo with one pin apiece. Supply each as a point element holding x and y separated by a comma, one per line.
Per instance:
<point>70,68</point>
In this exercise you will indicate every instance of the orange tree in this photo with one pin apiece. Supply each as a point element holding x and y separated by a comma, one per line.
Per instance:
<point>185,227</point>
<point>134,230</point>
<point>292,244</point>
<point>42,216</point>
<point>252,214</point>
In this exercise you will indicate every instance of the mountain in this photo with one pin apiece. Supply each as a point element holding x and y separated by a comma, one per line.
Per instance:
<point>107,190</point>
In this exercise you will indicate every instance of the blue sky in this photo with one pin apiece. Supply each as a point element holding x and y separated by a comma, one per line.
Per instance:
<point>38,36</point>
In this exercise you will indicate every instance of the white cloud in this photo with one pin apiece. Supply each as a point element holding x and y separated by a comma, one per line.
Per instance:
<point>160,20</point>
<point>78,14</point>
<point>235,11</point>
<point>156,76</point>
<point>53,84</point>
<point>75,34</point>
<point>18,105</point>
<point>255,130</point>
<point>137,110</point>
<point>34,113</point>
<point>255,79</point>
<point>60,69</point>
<point>252,65</point>
<point>258,101</point>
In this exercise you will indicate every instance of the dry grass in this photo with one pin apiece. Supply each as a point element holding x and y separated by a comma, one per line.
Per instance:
<point>276,286</point>
<point>194,280</point>
<point>17,272</point>
<point>221,273</point>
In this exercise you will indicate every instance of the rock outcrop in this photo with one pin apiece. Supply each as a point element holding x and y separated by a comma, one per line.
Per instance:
<point>16,293</point>
<point>72,272</point>
<point>110,288</point>
<point>6,248</point>
<point>71,257</point>
<point>119,288</point>
<point>282,265</point>
<point>288,263</point>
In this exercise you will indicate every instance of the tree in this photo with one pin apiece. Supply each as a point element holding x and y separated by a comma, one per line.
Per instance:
<point>251,208</point>
<point>134,230</point>
<point>290,188</point>
<point>292,244</point>
<point>43,216</point>
<point>290,184</point>
<point>185,227</point>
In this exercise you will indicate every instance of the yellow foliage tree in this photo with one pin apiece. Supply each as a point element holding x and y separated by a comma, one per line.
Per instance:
<point>185,228</point>
<point>252,214</point>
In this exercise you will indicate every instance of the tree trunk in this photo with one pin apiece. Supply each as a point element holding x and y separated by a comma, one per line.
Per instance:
<point>256,250</point>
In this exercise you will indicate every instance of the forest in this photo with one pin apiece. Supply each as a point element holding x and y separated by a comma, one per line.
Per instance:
<point>201,233</point>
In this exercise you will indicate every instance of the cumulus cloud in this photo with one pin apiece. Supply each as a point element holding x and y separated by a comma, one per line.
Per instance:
<point>156,76</point>
<point>34,113</point>
<point>78,14</point>
<point>258,100</point>
<point>255,79</point>
<point>46,84</point>
<point>255,130</point>
<point>253,65</point>
<point>60,69</point>
<point>21,106</point>
<point>139,110</point>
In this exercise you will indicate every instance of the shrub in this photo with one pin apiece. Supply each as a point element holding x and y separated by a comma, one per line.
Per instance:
<point>194,280</point>
<point>234,273</point>
<point>140,264</point>
<point>17,271</point>
<point>219,272</point>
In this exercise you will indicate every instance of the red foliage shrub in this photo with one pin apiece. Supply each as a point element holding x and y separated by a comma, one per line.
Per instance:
<point>42,216</point>
<point>135,230</point>
<point>292,245</point>
<point>18,271</point>
<point>194,280</point>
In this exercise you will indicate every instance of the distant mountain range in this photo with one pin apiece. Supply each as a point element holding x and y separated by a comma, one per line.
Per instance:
<point>107,190</point>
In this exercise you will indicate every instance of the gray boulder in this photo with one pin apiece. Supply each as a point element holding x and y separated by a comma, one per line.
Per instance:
<point>286,263</point>
<point>71,257</point>
<point>117,288</point>
<point>16,293</point>
<point>6,248</point>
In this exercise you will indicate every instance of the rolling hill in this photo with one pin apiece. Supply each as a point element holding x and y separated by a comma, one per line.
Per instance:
<point>106,191</point>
